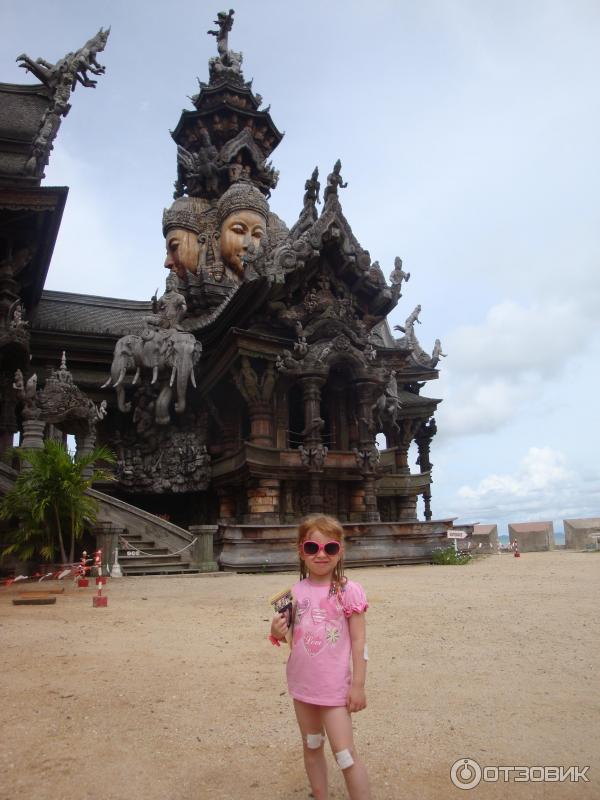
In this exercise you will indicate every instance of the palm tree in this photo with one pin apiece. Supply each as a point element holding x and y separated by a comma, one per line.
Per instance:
<point>49,499</point>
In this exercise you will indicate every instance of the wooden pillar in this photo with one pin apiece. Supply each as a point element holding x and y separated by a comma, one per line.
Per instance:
<point>366,392</point>
<point>33,434</point>
<point>425,434</point>
<point>85,444</point>
<point>261,423</point>
<point>313,444</point>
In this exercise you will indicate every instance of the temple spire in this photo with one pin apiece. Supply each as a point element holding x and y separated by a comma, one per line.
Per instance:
<point>227,137</point>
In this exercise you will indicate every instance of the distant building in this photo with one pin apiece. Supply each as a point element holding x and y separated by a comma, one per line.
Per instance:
<point>532,536</point>
<point>486,536</point>
<point>581,533</point>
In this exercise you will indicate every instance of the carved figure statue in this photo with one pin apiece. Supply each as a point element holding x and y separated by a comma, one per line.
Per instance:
<point>301,346</point>
<point>334,182</point>
<point>387,406</point>
<point>313,457</point>
<point>413,317</point>
<point>242,215</point>
<point>236,169</point>
<point>437,353</point>
<point>286,362</point>
<point>27,393</point>
<point>368,460</point>
<point>18,322</point>
<point>370,352</point>
<point>252,388</point>
<point>171,307</point>
<point>224,21</point>
<point>397,276</point>
<point>197,173</point>
<point>311,195</point>
<point>408,327</point>
<point>314,427</point>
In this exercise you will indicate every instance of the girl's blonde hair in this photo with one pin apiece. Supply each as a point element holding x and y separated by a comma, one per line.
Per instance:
<point>328,526</point>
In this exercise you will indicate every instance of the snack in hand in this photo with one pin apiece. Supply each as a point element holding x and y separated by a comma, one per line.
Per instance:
<point>283,603</point>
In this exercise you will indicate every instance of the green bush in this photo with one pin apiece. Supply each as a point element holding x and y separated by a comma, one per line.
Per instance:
<point>448,555</point>
<point>49,501</point>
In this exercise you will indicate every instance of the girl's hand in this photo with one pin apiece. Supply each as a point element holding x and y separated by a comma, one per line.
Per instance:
<point>357,699</point>
<point>279,626</point>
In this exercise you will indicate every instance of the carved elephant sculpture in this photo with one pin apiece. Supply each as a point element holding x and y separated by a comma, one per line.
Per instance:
<point>169,355</point>
<point>126,357</point>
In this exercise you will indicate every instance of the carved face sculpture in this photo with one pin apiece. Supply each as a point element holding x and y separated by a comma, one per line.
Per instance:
<point>183,251</point>
<point>171,282</point>
<point>238,231</point>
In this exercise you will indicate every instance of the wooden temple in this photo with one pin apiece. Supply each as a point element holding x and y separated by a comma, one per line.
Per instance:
<point>265,382</point>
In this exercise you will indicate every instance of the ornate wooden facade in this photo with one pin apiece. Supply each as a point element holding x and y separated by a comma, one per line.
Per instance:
<point>254,389</point>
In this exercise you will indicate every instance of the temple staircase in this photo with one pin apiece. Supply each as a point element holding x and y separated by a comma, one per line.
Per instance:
<point>140,555</point>
<point>148,545</point>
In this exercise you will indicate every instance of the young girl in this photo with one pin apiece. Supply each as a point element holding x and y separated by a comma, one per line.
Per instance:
<point>329,627</point>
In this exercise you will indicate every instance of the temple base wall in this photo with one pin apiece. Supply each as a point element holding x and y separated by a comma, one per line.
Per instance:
<point>271,548</point>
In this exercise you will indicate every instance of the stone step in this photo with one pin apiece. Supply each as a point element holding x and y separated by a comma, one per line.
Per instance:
<point>156,551</point>
<point>139,542</point>
<point>146,561</point>
<point>159,569</point>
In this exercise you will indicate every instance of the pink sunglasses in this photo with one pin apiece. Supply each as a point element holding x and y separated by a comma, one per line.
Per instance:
<point>310,548</point>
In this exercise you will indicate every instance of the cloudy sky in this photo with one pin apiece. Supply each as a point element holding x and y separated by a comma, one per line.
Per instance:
<point>468,132</point>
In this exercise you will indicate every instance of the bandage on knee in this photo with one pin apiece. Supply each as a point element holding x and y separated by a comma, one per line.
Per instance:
<point>344,759</point>
<point>314,740</point>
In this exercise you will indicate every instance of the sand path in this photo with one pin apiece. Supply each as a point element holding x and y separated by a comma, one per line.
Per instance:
<point>173,691</point>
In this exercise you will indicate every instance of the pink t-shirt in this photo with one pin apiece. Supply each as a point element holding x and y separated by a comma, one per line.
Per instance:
<point>318,669</point>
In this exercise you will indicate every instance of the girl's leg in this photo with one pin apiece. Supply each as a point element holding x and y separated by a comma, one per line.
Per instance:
<point>338,725</point>
<point>309,721</point>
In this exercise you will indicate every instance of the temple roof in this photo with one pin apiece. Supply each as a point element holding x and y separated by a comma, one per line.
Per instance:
<point>82,313</point>
<point>30,217</point>
<point>22,109</point>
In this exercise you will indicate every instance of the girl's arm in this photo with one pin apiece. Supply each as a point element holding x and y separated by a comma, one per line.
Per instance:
<point>279,627</point>
<point>357,699</point>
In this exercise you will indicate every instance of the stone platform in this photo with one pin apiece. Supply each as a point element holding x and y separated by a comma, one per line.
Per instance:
<point>272,548</point>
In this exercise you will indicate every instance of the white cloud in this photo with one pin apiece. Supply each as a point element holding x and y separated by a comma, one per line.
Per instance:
<point>543,486</point>
<point>514,338</point>
<point>541,470</point>
<point>514,356</point>
<point>471,407</point>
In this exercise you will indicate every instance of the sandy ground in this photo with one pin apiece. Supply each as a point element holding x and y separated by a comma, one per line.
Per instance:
<point>173,691</point>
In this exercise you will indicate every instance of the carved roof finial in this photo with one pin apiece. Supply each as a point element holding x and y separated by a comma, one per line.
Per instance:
<point>224,21</point>
<point>61,79</point>
<point>228,64</point>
